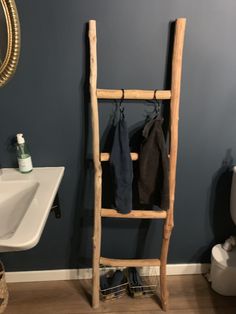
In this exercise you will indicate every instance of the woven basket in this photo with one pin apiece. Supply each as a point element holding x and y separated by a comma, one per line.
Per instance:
<point>3,289</point>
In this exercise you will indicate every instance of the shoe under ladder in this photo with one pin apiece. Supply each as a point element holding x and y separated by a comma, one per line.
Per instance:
<point>174,96</point>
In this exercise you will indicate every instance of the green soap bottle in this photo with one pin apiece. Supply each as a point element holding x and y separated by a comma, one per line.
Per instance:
<point>23,155</point>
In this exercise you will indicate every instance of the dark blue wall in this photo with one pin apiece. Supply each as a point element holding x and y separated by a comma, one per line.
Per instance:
<point>47,100</point>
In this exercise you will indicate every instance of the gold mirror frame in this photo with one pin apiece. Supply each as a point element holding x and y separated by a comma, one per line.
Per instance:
<point>9,64</point>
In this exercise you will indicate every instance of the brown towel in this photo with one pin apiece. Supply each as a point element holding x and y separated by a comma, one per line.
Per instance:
<point>153,182</point>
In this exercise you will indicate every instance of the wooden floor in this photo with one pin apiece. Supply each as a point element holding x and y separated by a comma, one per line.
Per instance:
<point>188,294</point>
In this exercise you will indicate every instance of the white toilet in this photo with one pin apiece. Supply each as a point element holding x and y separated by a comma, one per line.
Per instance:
<point>223,257</point>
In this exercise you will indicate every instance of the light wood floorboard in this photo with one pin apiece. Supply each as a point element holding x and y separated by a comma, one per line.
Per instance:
<point>189,294</point>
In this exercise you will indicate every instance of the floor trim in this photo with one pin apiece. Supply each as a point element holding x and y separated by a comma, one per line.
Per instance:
<point>73,274</point>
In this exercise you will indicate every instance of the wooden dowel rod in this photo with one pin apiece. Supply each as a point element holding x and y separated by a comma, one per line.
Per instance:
<point>135,214</point>
<point>129,262</point>
<point>106,156</point>
<point>132,94</point>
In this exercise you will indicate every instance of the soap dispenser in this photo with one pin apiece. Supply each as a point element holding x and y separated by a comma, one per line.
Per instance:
<point>23,155</point>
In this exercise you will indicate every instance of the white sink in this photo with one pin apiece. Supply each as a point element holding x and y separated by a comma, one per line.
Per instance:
<point>25,202</point>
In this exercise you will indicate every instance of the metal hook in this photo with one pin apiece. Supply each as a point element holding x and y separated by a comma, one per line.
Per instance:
<point>157,104</point>
<point>122,97</point>
<point>121,102</point>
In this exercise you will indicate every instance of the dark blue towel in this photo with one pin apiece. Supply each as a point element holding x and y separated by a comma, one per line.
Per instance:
<point>122,168</point>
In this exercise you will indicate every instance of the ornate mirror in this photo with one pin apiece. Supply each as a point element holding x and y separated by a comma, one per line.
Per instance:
<point>9,40</point>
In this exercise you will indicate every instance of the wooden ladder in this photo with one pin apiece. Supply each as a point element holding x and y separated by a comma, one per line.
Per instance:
<point>174,96</point>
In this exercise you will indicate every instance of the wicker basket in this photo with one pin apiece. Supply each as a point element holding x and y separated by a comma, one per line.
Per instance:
<point>3,289</point>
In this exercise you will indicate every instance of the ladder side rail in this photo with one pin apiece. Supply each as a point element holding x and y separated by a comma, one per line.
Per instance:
<point>174,118</point>
<point>96,162</point>
<point>174,106</point>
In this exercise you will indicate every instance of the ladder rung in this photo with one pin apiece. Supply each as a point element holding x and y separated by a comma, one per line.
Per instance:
<point>106,156</point>
<point>129,262</point>
<point>133,94</point>
<point>143,214</point>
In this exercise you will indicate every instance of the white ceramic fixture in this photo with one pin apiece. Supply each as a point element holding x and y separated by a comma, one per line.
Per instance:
<point>25,202</point>
<point>223,257</point>
<point>233,196</point>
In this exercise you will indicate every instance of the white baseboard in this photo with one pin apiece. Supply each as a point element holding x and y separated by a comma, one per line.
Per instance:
<point>73,274</point>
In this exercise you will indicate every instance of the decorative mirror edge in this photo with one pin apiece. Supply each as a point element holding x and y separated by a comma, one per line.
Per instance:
<point>9,65</point>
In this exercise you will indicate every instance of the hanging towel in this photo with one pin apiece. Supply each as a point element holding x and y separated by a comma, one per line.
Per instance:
<point>122,168</point>
<point>153,184</point>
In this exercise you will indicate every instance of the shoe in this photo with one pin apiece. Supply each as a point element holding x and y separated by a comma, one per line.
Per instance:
<point>135,282</point>
<point>114,286</point>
